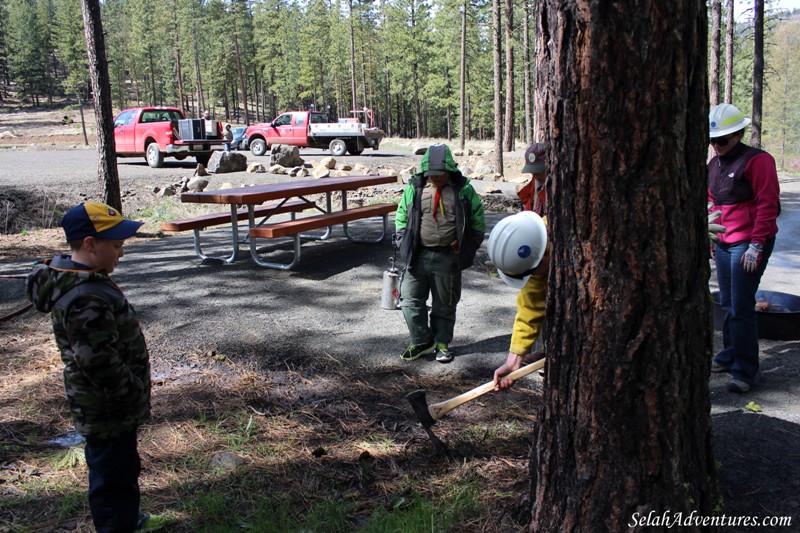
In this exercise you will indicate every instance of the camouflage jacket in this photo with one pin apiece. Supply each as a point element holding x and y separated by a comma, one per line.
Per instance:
<point>107,366</point>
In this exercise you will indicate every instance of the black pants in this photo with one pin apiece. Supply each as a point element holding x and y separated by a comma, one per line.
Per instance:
<point>114,468</point>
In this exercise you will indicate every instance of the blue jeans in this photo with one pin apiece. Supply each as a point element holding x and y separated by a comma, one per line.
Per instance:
<point>738,299</point>
<point>435,273</point>
<point>114,469</point>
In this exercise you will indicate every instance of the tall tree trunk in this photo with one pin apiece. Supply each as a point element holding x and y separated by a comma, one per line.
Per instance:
<point>462,84</point>
<point>242,85</point>
<point>101,92</point>
<point>417,109</point>
<point>389,129</point>
<point>509,125</point>
<point>498,88</point>
<point>152,74</point>
<point>758,73</point>
<point>729,34</point>
<point>354,100</point>
<point>624,428</point>
<point>200,101</point>
<point>526,72</point>
<point>716,15</point>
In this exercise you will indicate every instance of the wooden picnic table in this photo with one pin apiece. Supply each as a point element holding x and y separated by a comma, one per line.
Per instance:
<point>283,192</point>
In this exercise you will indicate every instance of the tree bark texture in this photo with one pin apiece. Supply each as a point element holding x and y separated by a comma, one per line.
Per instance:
<point>462,82</point>
<point>716,16</point>
<point>526,72</point>
<point>509,113</point>
<point>758,73</point>
<point>730,28</point>
<point>101,93</point>
<point>498,88</point>
<point>625,425</point>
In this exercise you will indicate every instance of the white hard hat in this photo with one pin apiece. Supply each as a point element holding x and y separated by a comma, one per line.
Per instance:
<point>516,246</point>
<point>724,119</point>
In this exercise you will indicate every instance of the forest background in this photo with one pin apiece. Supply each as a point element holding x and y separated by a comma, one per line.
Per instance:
<point>248,60</point>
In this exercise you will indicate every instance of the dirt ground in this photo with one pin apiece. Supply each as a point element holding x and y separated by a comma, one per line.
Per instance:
<point>276,368</point>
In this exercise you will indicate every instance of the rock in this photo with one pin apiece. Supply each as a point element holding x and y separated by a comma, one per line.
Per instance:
<point>302,172</point>
<point>344,166</point>
<point>197,184</point>
<point>491,190</point>
<point>168,191</point>
<point>226,185</point>
<point>226,461</point>
<point>321,172</point>
<point>223,162</point>
<point>465,170</point>
<point>277,169</point>
<point>156,189</point>
<point>200,170</point>
<point>361,170</point>
<point>327,162</point>
<point>420,149</point>
<point>256,168</point>
<point>285,156</point>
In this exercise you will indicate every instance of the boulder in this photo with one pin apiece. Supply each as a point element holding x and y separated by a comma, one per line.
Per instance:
<point>361,170</point>
<point>321,172</point>
<point>327,162</point>
<point>285,156</point>
<point>344,166</point>
<point>420,149</point>
<point>168,191</point>
<point>197,184</point>
<point>222,162</point>
<point>200,170</point>
<point>277,169</point>
<point>256,168</point>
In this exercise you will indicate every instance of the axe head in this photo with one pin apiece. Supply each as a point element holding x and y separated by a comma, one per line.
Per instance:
<point>420,406</point>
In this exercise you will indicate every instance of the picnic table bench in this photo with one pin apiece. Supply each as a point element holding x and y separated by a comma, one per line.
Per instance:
<point>201,222</point>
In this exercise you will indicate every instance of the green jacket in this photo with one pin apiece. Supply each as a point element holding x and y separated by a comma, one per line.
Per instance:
<point>470,220</point>
<point>107,365</point>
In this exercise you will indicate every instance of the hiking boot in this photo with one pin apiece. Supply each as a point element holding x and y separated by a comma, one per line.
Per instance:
<point>738,386</point>
<point>152,522</point>
<point>414,351</point>
<point>717,368</point>
<point>443,353</point>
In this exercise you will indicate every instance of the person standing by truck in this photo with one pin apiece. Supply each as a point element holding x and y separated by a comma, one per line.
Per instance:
<point>228,136</point>
<point>439,226</point>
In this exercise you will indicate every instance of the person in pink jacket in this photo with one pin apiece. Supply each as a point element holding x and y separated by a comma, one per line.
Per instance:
<point>743,185</point>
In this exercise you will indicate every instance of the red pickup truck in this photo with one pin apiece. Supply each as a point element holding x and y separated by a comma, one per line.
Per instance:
<point>159,132</point>
<point>313,130</point>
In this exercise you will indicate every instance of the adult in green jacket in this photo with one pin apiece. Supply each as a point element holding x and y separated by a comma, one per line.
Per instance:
<point>439,227</point>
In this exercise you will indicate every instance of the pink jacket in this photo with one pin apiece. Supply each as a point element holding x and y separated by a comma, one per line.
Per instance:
<point>747,217</point>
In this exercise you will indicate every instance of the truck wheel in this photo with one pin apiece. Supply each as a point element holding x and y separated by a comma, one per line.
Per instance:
<point>203,159</point>
<point>154,156</point>
<point>337,147</point>
<point>180,157</point>
<point>258,147</point>
<point>355,152</point>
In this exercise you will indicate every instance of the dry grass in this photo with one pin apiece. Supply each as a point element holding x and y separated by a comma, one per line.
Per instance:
<point>310,440</point>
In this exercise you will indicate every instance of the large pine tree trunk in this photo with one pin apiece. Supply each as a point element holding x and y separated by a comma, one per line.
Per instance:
<point>101,92</point>
<point>730,28</point>
<point>758,73</point>
<point>462,82</point>
<point>509,116</point>
<point>716,16</point>
<point>526,72</point>
<point>498,88</point>
<point>625,426</point>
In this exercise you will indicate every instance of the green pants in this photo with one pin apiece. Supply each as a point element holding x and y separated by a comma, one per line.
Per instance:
<point>436,273</point>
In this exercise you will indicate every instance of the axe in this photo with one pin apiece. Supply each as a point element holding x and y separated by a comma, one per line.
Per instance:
<point>428,415</point>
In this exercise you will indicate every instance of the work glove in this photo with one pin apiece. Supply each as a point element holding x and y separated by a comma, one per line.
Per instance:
<point>713,229</point>
<point>751,259</point>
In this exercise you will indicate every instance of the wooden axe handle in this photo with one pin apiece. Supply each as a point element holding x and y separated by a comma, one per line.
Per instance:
<point>438,410</point>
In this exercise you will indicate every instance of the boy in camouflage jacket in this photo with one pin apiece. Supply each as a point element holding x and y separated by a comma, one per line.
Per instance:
<point>107,366</point>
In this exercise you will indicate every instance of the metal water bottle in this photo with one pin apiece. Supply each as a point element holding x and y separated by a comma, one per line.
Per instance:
<point>390,294</point>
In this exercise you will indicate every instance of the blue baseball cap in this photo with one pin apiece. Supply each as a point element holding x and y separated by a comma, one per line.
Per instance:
<point>93,219</point>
